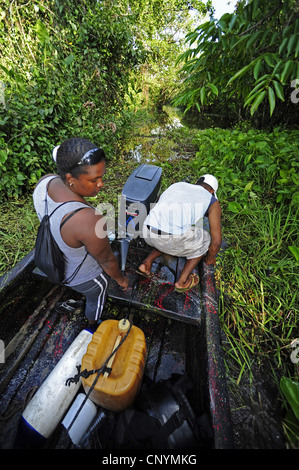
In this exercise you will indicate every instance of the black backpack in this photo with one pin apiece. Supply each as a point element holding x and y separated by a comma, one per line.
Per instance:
<point>48,257</point>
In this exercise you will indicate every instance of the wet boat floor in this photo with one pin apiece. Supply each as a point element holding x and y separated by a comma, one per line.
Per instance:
<point>158,293</point>
<point>37,346</point>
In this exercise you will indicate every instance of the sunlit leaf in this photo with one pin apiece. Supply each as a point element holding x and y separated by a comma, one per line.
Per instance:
<point>42,32</point>
<point>295,252</point>
<point>234,207</point>
<point>257,102</point>
<point>290,390</point>
<point>271,96</point>
<point>248,186</point>
<point>278,89</point>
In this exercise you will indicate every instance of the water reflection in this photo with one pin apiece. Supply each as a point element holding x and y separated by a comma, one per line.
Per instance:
<point>173,121</point>
<point>153,144</point>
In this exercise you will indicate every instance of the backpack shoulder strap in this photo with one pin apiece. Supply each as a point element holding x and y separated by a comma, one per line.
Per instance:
<point>62,204</point>
<point>70,215</point>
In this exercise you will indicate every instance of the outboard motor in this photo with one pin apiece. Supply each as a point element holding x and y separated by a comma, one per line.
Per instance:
<point>141,189</point>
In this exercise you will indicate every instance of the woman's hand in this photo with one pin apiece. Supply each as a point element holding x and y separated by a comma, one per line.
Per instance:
<point>124,282</point>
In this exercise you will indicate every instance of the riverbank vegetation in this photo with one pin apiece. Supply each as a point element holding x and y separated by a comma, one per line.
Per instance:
<point>104,71</point>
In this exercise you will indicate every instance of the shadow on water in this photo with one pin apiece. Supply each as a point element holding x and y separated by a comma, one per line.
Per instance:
<point>255,409</point>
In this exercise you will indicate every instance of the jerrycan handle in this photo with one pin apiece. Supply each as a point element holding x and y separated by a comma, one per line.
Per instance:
<point>123,327</point>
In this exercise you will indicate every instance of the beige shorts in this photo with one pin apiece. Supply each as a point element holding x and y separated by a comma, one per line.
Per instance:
<point>192,244</point>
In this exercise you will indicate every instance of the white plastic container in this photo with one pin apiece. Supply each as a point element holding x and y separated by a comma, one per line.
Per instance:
<point>83,420</point>
<point>51,401</point>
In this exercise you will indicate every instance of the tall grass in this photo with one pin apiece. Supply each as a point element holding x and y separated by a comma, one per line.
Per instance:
<point>257,274</point>
<point>18,227</point>
<point>258,281</point>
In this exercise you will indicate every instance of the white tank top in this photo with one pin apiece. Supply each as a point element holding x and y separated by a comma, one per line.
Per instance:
<point>181,206</point>
<point>90,268</point>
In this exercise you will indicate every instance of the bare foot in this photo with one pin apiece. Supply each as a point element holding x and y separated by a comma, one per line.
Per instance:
<point>191,281</point>
<point>143,269</point>
<point>182,285</point>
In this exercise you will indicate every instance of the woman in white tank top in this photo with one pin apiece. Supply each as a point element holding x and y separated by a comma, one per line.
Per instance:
<point>83,238</point>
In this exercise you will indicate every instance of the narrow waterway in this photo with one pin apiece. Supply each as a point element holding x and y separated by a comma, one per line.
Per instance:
<point>254,402</point>
<point>156,141</point>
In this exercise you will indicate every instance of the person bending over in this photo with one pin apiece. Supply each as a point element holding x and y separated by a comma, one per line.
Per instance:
<point>175,226</point>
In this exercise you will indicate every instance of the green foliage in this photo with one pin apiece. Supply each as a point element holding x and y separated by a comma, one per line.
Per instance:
<point>257,272</point>
<point>72,68</point>
<point>291,391</point>
<point>258,282</point>
<point>248,58</point>
<point>251,164</point>
<point>66,70</point>
<point>161,28</point>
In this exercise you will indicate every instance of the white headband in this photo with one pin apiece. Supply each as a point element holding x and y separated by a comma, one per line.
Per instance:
<point>54,153</point>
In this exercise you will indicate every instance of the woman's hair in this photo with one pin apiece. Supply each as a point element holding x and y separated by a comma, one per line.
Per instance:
<point>69,153</point>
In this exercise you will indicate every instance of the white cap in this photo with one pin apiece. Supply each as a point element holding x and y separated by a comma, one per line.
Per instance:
<point>54,153</point>
<point>211,181</point>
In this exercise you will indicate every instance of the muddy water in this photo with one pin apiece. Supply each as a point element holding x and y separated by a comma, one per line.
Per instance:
<point>255,410</point>
<point>152,143</point>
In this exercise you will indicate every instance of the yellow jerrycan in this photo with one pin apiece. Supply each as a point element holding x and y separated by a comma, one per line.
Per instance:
<point>117,387</point>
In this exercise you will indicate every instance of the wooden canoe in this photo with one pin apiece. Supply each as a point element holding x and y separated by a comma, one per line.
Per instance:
<point>182,334</point>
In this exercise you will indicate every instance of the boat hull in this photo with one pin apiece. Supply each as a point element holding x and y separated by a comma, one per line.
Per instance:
<point>36,337</point>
